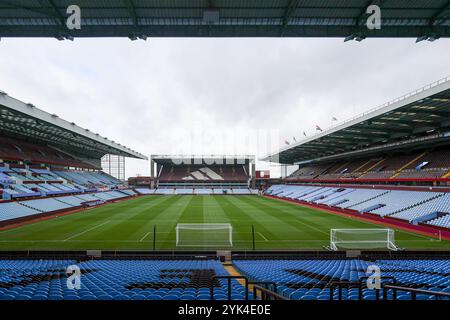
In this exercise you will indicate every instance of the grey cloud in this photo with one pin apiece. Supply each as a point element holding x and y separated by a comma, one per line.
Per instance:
<point>151,95</point>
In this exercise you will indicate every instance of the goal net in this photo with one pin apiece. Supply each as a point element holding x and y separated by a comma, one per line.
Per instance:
<point>362,239</point>
<point>204,235</point>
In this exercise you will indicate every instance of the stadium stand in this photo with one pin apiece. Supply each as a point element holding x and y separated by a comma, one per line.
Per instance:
<point>13,210</point>
<point>443,221</point>
<point>45,205</point>
<point>211,173</point>
<point>192,279</point>
<point>423,164</point>
<point>117,279</point>
<point>195,170</point>
<point>18,150</point>
<point>145,191</point>
<point>20,209</point>
<point>27,181</point>
<point>311,279</point>
<point>411,206</point>
<point>201,176</point>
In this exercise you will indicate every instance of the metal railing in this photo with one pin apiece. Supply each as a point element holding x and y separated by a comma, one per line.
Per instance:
<point>229,279</point>
<point>413,291</point>
<point>266,290</point>
<point>266,294</point>
<point>384,289</point>
<point>357,284</point>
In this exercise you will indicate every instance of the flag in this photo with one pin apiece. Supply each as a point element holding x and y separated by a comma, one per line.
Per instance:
<point>318,128</point>
<point>295,140</point>
<point>287,142</point>
<point>334,119</point>
<point>304,133</point>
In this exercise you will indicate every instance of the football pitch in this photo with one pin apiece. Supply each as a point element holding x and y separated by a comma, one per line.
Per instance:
<point>129,225</point>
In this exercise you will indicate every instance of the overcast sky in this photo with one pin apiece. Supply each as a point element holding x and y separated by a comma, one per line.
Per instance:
<point>213,96</point>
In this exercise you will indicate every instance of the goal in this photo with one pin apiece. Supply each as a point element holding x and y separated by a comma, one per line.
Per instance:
<point>362,239</point>
<point>216,235</point>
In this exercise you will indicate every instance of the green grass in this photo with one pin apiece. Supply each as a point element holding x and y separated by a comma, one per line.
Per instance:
<point>129,225</point>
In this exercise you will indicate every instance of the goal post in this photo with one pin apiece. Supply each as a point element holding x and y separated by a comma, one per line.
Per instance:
<point>218,235</point>
<point>362,239</point>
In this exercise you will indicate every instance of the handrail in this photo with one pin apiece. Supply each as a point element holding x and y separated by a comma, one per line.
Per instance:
<point>339,285</point>
<point>359,285</point>
<point>377,291</point>
<point>267,293</point>
<point>384,288</point>
<point>229,278</point>
<point>413,291</point>
<point>266,284</point>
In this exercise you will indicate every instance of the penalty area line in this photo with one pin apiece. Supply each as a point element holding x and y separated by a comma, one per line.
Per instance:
<point>262,236</point>
<point>145,236</point>
<point>83,232</point>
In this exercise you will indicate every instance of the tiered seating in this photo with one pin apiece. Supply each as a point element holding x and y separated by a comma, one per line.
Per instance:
<point>309,172</point>
<point>437,205</point>
<point>204,191</point>
<point>88,178</point>
<point>209,173</point>
<point>413,206</point>
<point>13,210</point>
<point>165,191</point>
<point>417,164</point>
<point>184,191</point>
<point>20,191</point>
<point>394,201</point>
<point>443,221</point>
<point>14,149</point>
<point>46,205</point>
<point>241,191</point>
<point>389,166</point>
<point>116,279</point>
<point>435,164</point>
<point>352,199</point>
<point>19,181</point>
<point>145,191</point>
<point>129,192</point>
<point>222,191</point>
<point>191,279</point>
<point>110,195</point>
<point>71,200</point>
<point>311,279</point>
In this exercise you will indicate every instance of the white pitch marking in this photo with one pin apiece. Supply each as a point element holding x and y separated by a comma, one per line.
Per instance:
<point>145,236</point>
<point>265,239</point>
<point>83,232</point>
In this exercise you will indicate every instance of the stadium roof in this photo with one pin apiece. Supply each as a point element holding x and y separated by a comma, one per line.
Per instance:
<point>417,119</point>
<point>25,121</point>
<point>224,18</point>
<point>203,159</point>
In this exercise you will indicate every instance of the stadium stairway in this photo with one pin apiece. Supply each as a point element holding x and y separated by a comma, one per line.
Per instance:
<point>399,171</point>
<point>192,279</point>
<point>360,167</point>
